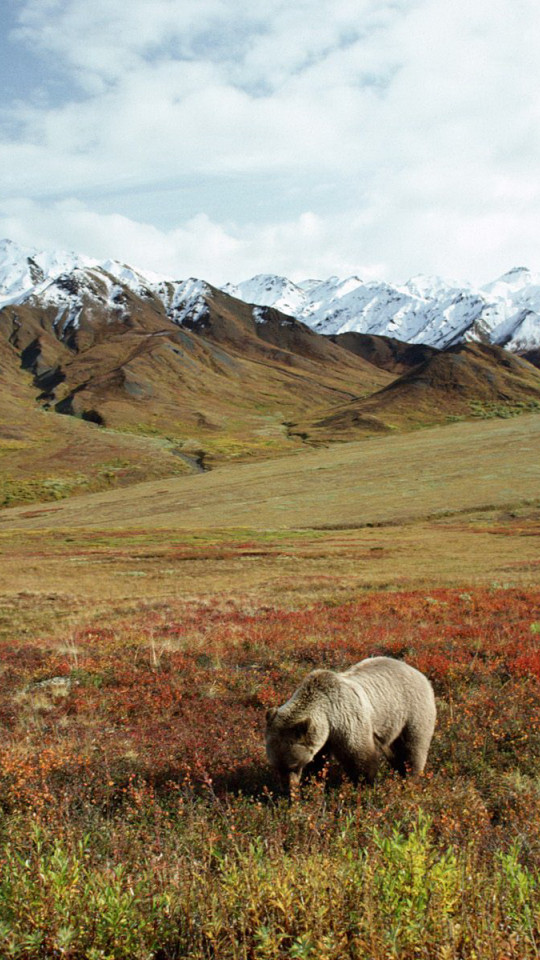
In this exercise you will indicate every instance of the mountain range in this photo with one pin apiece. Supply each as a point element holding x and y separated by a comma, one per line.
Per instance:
<point>160,376</point>
<point>424,310</point>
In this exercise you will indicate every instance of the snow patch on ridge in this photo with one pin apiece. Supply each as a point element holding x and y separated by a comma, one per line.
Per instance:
<point>266,290</point>
<point>25,271</point>
<point>185,301</point>
<point>71,283</point>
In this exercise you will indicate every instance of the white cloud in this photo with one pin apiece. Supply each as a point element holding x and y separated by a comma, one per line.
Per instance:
<point>304,247</point>
<point>199,247</point>
<point>423,116</point>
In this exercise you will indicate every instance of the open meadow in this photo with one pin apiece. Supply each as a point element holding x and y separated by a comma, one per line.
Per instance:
<point>143,634</point>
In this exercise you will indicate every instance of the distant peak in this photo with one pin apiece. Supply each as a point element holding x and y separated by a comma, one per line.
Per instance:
<point>515,272</point>
<point>271,279</point>
<point>16,248</point>
<point>428,287</point>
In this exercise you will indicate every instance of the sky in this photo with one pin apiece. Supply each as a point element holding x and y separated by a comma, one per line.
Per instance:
<point>309,138</point>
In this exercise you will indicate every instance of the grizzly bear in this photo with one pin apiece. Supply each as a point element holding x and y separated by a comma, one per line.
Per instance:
<point>379,706</point>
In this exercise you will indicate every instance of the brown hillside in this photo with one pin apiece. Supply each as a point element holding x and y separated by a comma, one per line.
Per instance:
<point>468,380</point>
<point>44,456</point>
<point>219,388</point>
<point>390,354</point>
<point>277,338</point>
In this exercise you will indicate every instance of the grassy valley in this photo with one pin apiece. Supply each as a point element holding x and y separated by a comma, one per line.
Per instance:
<point>462,466</point>
<point>125,393</point>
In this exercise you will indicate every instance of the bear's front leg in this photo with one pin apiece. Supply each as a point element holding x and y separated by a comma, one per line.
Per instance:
<point>359,765</point>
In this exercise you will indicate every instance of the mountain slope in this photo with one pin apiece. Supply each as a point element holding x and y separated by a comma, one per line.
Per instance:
<point>470,380</point>
<point>533,356</point>
<point>182,361</point>
<point>390,354</point>
<point>94,351</point>
<point>182,375</point>
<point>44,456</point>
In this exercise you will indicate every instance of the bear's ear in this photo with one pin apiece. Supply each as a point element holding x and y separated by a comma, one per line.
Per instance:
<point>302,728</point>
<point>271,715</point>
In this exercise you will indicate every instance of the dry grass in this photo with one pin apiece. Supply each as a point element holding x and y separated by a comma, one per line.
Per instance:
<point>52,578</point>
<point>46,457</point>
<point>426,497</point>
<point>463,466</point>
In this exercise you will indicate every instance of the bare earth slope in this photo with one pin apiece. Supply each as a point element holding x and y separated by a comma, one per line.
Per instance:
<point>44,456</point>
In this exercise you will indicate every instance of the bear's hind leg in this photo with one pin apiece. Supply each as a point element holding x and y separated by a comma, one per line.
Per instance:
<point>411,750</point>
<point>417,758</point>
<point>398,755</point>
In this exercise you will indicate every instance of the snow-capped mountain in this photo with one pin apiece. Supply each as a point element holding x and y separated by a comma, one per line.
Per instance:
<point>266,290</point>
<point>24,271</point>
<point>424,310</point>
<point>72,283</point>
<point>119,347</point>
<point>122,348</point>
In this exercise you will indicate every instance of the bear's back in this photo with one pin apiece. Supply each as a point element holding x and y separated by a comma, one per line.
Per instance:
<point>388,669</point>
<point>395,690</point>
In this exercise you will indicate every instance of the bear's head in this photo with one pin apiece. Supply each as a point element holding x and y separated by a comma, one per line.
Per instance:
<point>291,743</point>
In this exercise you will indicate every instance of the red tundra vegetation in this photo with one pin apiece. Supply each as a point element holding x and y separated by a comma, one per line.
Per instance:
<point>139,818</point>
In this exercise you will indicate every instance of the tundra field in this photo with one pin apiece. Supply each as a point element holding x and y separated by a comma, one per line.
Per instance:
<point>143,634</point>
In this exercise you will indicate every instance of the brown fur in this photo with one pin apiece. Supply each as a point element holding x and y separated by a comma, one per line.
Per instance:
<point>377,707</point>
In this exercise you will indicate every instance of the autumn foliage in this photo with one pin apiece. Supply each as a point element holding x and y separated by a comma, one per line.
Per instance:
<point>140,819</point>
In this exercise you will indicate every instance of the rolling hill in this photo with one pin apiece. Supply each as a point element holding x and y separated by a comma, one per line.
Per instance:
<point>469,380</point>
<point>391,479</point>
<point>390,354</point>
